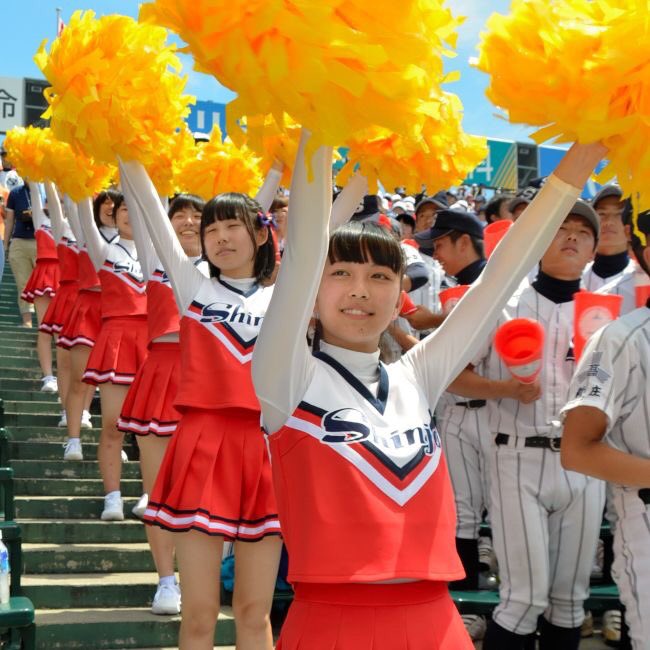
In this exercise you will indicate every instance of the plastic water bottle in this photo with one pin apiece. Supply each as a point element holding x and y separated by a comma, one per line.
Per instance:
<point>5,573</point>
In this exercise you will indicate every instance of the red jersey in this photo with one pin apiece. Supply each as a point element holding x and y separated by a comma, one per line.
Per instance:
<point>68,260</point>
<point>45,244</point>
<point>123,288</point>
<point>218,332</point>
<point>362,487</point>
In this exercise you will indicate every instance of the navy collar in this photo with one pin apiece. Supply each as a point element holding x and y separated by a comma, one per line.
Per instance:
<point>379,402</point>
<point>471,272</point>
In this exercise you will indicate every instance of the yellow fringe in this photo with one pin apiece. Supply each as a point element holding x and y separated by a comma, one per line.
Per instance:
<point>442,156</point>
<point>336,67</point>
<point>580,69</point>
<point>115,88</point>
<point>219,166</point>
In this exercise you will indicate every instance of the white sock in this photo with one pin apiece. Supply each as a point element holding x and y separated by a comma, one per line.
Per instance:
<point>170,581</point>
<point>115,493</point>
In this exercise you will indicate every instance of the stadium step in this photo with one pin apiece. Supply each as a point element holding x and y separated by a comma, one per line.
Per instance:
<point>91,581</point>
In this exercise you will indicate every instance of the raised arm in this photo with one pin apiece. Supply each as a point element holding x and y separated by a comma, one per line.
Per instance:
<point>347,201</point>
<point>95,243</point>
<point>73,220</point>
<point>38,214</point>
<point>143,244</point>
<point>185,278</point>
<point>269,188</point>
<point>281,360</point>
<point>443,354</point>
<point>60,227</point>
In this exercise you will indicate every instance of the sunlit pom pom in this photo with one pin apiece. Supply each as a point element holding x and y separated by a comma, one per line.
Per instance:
<point>219,166</point>
<point>26,149</point>
<point>335,66</point>
<point>74,173</point>
<point>115,88</point>
<point>171,156</point>
<point>580,69</point>
<point>442,156</point>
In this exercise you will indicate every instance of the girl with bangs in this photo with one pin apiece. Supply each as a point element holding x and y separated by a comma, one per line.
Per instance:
<point>214,483</point>
<point>363,492</point>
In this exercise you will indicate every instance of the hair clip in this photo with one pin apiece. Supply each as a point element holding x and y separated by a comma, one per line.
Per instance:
<point>266,220</point>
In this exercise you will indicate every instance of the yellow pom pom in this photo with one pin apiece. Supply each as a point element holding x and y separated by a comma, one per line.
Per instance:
<point>115,88</point>
<point>171,156</point>
<point>26,149</point>
<point>442,156</point>
<point>579,69</point>
<point>335,66</point>
<point>219,167</point>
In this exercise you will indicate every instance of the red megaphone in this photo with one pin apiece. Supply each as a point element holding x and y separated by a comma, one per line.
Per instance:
<point>591,312</point>
<point>450,297</point>
<point>520,343</point>
<point>493,233</point>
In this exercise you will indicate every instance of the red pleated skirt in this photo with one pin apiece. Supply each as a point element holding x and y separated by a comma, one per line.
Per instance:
<point>409,616</point>
<point>119,351</point>
<point>216,477</point>
<point>60,308</point>
<point>84,322</point>
<point>43,281</point>
<point>149,404</point>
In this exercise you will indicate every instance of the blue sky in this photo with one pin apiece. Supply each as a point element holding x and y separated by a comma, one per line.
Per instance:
<point>28,22</point>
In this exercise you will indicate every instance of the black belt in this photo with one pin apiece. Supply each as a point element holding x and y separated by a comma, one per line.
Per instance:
<point>644,495</point>
<point>539,442</point>
<point>473,404</point>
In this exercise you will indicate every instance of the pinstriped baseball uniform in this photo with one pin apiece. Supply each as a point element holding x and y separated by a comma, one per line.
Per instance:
<point>612,376</point>
<point>621,284</point>
<point>545,520</point>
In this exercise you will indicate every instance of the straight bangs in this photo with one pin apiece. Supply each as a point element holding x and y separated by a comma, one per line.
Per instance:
<point>363,243</point>
<point>182,201</point>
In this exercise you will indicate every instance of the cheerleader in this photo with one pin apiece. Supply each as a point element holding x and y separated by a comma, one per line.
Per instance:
<point>121,345</point>
<point>215,480</point>
<point>148,411</point>
<point>68,254</point>
<point>363,490</point>
<point>42,285</point>
<point>82,326</point>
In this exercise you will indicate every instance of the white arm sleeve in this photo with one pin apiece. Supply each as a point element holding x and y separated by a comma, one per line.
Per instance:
<point>269,189</point>
<point>143,243</point>
<point>38,215</point>
<point>95,243</point>
<point>185,278</point>
<point>348,200</point>
<point>73,220</point>
<point>282,360</point>
<point>60,227</point>
<point>438,359</point>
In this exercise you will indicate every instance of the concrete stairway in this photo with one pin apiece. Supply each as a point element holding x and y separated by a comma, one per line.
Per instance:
<point>91,582</point>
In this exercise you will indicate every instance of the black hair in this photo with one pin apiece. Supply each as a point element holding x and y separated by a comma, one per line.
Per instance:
<point>477,243</point>
<point>100,199</point>
<point>278,203</point>
<point>361,242</point>
<point>493,208</point>
<point>182,201</point>
<point>117,203</point>
<point>233,205</point>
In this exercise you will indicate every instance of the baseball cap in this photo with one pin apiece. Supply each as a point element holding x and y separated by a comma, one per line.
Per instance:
<point>524,196</point>
<point>368,208</point>
<point>584,210</point>
<point>450,221</point>
<point>384,221</point>
<point>607,191</point>
<point>438,200</point>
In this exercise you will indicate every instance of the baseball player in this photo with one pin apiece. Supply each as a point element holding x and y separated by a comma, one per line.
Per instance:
<point>612,270</point>
<point>545,521</point>
<point>606,434</point>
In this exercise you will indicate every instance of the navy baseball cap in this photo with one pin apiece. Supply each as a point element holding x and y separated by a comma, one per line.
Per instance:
<point>448,221</point>
<point>438,200</point>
